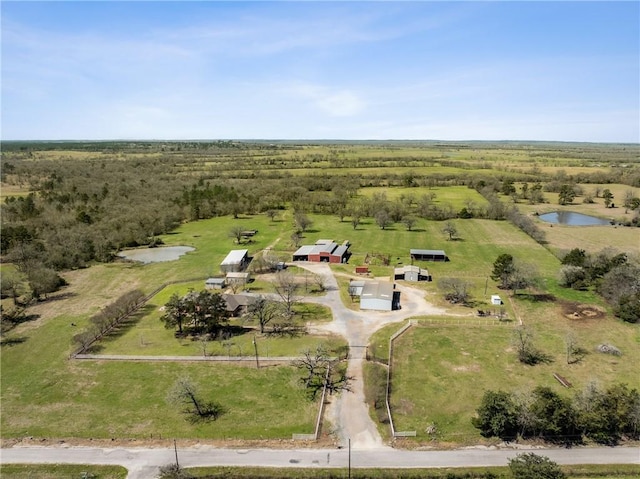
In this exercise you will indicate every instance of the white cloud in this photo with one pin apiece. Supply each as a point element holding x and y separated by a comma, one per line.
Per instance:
<point>331,101</point>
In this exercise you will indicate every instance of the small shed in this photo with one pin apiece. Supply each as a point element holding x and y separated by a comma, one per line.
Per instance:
<point>236,260</point>
<point>215,283</point>
<point>355,287</point>
<point>495,299</point>
<point>362,270</point>
<point>238,278</point>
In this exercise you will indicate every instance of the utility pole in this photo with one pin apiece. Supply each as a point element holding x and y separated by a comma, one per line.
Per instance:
<point>175,448</point>
<point>349,458</point>
<point>255,346</point>
<point>486,283</point>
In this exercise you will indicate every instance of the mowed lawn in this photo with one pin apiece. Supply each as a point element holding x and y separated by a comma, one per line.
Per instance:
<point>44,394</point>
<point>145,334</point>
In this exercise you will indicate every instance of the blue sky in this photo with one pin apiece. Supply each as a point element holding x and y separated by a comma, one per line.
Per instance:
<point>510,70</point>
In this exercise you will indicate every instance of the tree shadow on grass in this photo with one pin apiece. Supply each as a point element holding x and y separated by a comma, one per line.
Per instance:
<point>537,297</point>
<point>13,341</point>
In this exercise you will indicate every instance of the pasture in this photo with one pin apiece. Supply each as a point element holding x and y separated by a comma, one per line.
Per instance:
<point>435,363</point>
<point>441,370</point>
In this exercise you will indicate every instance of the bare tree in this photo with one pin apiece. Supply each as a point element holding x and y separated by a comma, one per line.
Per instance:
<point>456,290</point>
<point>575,353</point>
<point>409,222</point>
<point>355,220</point>
<point>236,234</point>
<point>527,352</point>
<point>450,230</point>
<point>320,370</point>
<point>320,280</point>
<point>287,287</point>
<point>185,394</point>
<point>271,214</point>
<point>302,221</point>
<point>383,219</point>
<point>295,239</point>
<point>263,311</point>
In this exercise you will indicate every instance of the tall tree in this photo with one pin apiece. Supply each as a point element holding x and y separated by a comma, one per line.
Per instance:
<point>287,288</point>
<point>263,310</point>
<point>497,415</point>
<point>503,268</point>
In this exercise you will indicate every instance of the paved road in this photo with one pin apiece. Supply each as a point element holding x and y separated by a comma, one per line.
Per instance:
<point>144,463</point>
<point>348,413</point>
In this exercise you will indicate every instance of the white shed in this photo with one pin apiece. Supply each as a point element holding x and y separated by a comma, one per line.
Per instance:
<point>495,299</point>
<point>215,283</point>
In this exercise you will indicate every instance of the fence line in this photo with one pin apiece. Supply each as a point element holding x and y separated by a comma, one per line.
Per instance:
<point>397,334</point>
<point>465,322</point>
<point>140,304</point>
<point>316,434</point>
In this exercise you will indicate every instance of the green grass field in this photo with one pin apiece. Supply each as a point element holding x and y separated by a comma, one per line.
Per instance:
<point>124,399</point>
<point>61,471</point>
<point>434,363</point>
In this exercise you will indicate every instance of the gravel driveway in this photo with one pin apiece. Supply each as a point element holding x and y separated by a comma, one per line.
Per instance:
<point>348,412</point>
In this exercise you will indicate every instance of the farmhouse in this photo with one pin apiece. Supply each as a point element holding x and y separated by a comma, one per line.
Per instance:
<point>428,255</point>
<point>236,261</point>
<point>324,251</point>
<point>411,273</point>
<point>237,304</point>
<point>215,283</point>
<point>379,296</point>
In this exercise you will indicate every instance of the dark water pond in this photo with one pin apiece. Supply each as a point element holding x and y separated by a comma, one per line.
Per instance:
<point>155,255</point>
<point>572,219</point>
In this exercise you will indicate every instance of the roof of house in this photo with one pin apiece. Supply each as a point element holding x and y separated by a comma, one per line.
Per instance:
<point>239,275</point>
<point>428,252</point>
<point>235,256</point>
<point>215,281</point>
<point>377,290</point>
<point>234,301</point>
<point>355,283</point>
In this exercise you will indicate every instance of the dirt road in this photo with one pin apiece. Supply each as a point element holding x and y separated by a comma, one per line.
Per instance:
<point>348,412</point>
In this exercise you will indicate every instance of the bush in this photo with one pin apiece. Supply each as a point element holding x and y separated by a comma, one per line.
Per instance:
<point>532,466</point>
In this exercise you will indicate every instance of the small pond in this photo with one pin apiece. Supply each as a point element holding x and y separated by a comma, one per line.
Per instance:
<point>573,219</point>
<point>155,255</point>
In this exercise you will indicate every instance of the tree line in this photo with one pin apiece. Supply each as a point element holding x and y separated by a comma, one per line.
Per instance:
<point>612,274</point>
<point>604,415</point>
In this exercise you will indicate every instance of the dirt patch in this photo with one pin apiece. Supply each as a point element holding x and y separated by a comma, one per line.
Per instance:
<point>577,311</point>
<point>322,442</point>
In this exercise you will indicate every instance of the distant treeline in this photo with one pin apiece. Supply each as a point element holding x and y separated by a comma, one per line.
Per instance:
<point>90,199</point>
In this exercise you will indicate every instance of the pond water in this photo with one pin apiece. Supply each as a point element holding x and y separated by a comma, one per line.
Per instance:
<point>572,219</point>
<point>155,255</point>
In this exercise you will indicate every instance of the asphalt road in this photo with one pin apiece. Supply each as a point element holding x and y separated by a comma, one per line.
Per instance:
<point>144,463</point>
<point>347,412</point>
